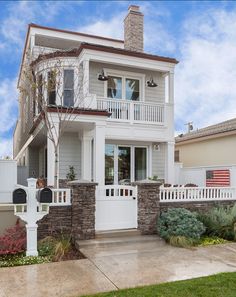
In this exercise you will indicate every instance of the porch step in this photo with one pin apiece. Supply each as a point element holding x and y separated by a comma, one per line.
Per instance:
<point>117,233</point>
<point>117,240</point>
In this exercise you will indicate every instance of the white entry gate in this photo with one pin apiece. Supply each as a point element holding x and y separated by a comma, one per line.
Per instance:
<point>116,207</point>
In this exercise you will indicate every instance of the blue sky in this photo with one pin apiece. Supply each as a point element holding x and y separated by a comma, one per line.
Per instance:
<point>200,34</point>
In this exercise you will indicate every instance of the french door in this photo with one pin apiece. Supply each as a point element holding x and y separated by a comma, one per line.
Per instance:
<point>125,163</point>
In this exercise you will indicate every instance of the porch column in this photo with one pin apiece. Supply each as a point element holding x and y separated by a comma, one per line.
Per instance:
<point>170,165</point>
<point>86,155</point>
<point>99,154</point>
<point>51,154</point>
<point>171,87</point>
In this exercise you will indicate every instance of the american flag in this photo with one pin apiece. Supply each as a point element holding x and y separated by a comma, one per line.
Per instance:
<point>218,178</point>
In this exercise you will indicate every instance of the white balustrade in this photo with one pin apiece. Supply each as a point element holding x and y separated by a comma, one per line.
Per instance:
<point>132,111</point>
<point>116,192</point>
<point>119,109</point>
<point>191,194</point>
<point>145,112</point>
<point>61,197</point>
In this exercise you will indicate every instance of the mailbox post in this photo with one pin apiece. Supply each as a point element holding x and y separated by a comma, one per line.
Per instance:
<point>34,212</point>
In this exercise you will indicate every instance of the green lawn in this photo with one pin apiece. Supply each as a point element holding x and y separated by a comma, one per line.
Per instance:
<point>219,285</point>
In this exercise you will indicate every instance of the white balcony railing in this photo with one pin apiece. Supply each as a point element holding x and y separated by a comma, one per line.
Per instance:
<point>191,194</point>
<point>132,111</point>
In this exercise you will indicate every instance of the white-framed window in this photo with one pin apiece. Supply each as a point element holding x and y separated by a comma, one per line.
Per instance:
<point>51,86</point>
<point>68,87</point>
<point>124,85</point>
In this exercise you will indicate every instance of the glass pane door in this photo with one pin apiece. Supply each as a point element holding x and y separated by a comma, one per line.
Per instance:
<point>124,164</point>
<point>140,166</point>
<point>109,164</point>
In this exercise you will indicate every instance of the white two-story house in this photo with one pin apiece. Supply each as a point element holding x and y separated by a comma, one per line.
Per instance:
<point>123,128</point>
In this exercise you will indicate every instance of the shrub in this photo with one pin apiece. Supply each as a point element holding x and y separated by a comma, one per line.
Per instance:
<point>181,241</point>
<point>179,222</point>
<point>46,246</point>
<point>220,221</point>
<point>14,240</point>
<point>204,241</point>
<point>62,247</point>
<point>71,175</point>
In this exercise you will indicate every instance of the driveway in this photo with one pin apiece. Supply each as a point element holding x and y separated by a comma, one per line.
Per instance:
<point>114,266</point>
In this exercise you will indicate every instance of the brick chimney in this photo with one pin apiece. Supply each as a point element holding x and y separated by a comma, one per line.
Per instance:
<point>133,29</point>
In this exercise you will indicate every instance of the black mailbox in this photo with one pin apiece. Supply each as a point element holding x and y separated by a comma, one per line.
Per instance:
<point>44,195</point>
<point>19,196</point>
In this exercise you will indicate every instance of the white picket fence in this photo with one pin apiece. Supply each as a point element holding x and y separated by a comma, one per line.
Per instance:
<point>191,194</point>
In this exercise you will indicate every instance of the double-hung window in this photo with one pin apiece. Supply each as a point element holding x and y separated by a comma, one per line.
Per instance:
<point>124,87</point>
<point>51,85</point>
<point>68,87</point>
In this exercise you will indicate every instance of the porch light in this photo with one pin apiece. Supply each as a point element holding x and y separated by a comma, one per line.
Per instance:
<point>151,83</point>
<point>102,76</point>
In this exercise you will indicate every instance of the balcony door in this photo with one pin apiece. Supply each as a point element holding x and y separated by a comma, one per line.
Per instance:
<point>125,164</point>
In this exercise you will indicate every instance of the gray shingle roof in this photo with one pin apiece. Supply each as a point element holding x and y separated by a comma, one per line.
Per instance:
<point>222,127</point>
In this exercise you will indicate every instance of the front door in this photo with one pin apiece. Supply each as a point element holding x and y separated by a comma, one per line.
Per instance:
<point>125,164</point>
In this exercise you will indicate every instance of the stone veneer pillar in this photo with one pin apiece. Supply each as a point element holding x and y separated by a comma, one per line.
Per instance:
<point>82,209</point>
<point>148,206</point>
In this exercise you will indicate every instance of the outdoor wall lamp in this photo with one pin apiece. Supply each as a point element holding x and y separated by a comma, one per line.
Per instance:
<point>102,76</point>
<point>151,83</point>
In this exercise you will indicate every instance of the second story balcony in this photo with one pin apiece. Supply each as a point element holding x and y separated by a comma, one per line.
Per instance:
<point>133,111</point>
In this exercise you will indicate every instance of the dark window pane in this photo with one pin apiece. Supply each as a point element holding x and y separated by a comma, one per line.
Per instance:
<point>109,164</point>
<point>52,98</point>
<point>140,163</point>
<point>132,89</point>
<point>68,94</point>
<point>114,87</point>
<point>176,156</point>
<point>68,79</point>
<point>51,88</point>
<point>68,98</point>
<point>40,92</point>
<point>124,162</point>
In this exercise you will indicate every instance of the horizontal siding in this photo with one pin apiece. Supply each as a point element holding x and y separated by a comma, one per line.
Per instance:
<point>158,162</point>
<point>69,154</point>
<point>152,95</point>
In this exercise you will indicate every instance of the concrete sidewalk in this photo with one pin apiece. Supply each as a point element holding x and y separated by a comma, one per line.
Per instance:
<point>119,265</point>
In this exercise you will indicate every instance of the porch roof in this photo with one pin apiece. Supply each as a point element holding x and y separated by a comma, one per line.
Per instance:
<point>76,52</point>
<point>61,109</point>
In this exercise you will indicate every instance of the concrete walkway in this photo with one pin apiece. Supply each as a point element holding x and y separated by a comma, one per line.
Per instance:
<point>119,265</point>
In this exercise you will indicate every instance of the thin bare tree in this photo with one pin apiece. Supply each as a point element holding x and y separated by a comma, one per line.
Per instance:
<point>56,93</point>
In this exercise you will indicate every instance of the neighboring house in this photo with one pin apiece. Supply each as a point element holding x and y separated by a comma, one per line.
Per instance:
<point>124,130</point>
<point>208,154</point>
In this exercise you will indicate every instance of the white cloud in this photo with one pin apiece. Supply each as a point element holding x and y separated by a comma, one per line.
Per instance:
<point>5,148</point>
<point>156,37</point>
<point>8,100</point>
<point>206,77</point>
<point>20,14</point>
<point>112,27</point>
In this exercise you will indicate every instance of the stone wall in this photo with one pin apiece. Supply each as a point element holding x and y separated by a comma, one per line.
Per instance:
<point>148,206</point>
<point>57,221</point>
<point>78,219</point>
<point>83,209</point>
